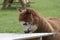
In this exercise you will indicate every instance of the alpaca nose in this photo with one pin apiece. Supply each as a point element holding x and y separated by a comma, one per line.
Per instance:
<point>26,31</point>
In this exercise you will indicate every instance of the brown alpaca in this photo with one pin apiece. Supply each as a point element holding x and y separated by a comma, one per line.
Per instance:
<point>33,22</point>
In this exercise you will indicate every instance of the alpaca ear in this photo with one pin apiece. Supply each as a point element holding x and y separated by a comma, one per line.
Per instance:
<point>28,11</point>
<point>18,9</point>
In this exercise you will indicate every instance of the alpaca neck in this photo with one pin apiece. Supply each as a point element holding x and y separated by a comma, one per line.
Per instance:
<point>44,26</point>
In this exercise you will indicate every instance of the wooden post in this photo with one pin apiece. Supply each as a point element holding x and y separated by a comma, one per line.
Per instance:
<point>10,2</point>
<point>24,3</point>
<point>7,3</point>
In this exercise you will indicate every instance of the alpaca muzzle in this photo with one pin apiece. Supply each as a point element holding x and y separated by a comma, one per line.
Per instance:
<point>28,31</point>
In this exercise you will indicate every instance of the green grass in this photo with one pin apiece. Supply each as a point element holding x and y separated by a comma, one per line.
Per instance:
<point>9,17</point>
<point>47,7</point>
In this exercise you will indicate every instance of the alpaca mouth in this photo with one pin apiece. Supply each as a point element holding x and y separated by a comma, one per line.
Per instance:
<point>28,27</point>
<point>27,31</point>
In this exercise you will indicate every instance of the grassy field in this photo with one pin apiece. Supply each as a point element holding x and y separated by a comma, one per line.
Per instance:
<point>9,17</point>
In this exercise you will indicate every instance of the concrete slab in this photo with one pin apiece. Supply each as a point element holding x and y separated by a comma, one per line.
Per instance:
<point>13,36</point>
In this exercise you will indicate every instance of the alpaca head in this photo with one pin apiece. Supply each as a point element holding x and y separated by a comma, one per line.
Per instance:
<point>26,18</point>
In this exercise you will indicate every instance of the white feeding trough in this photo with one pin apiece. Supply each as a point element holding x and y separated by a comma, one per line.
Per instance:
<point>16,36</point>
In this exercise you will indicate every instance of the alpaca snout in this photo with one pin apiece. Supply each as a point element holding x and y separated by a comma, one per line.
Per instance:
<point>26,31</point>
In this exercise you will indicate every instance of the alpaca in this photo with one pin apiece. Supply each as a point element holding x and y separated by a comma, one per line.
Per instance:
<point>33,22</point>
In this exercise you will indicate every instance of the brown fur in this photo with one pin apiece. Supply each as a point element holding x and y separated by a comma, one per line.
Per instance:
<point>43,24</point>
